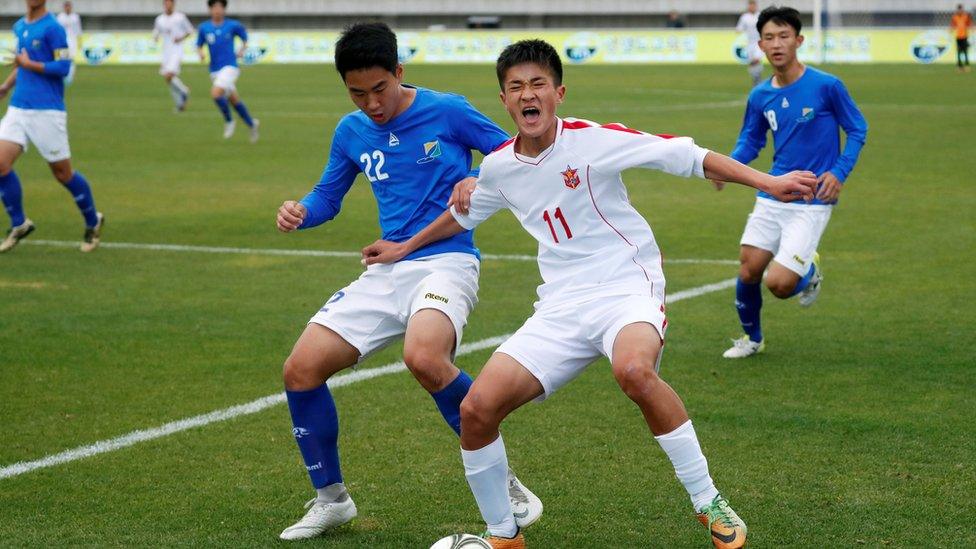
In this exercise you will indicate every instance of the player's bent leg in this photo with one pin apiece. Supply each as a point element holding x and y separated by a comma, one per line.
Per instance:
<point>11,194</point>
<point>427,347</point>
<point>748,301</point>
<point>781,281</point>
<point>76,184</point>
<point>636,350</point>
<point>635,355</point>
<point>318,354</point>
<point>502,386</point>
<point>219,95</point>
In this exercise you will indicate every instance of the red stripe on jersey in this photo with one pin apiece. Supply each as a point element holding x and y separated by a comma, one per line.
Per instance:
<point>629,243</point>
<point>579,125</point>
<point>503,145</point>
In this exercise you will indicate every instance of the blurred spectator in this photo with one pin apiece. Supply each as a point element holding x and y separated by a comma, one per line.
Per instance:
<point>675,20</point>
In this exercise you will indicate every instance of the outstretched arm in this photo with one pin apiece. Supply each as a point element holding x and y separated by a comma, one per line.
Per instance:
<point>786,188</point>
<point>383,251</point>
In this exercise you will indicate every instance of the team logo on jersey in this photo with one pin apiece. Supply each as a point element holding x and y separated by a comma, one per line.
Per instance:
<point>36,44</point>
<point>807,116</point>
<point>571,177</point>
<point>211,37</point>
<point>432,149</point>
<point>393,140</point>
<point>785,104</point>
<point>928,47</point>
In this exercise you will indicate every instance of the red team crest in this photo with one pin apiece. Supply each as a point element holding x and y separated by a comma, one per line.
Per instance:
<point>571,177</point>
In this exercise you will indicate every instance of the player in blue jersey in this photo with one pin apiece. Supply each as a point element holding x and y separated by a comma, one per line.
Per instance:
<point>218,35</point>
<point>36,114</point>
<point>805,109</point>
<point>412,145</point>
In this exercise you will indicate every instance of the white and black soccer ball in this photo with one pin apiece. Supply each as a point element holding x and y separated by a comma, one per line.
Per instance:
<point>461,541</point>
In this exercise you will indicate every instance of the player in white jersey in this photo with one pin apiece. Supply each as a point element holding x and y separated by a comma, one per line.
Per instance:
<point>71,22</point>
<point>747,25</point>
<point>173,27</point>
<point>603,286</point>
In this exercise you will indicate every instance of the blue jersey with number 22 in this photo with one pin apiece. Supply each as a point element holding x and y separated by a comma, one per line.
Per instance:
<point>412,163</point>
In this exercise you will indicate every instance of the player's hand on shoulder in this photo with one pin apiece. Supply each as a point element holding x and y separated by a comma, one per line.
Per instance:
<point>382,251</point>
<point>828,187</point>
<point>798,184</point>
<point>461,195</point>
<point>290,216</point>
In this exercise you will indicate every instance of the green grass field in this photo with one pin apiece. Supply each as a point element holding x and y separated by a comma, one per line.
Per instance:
<point>855,428</point>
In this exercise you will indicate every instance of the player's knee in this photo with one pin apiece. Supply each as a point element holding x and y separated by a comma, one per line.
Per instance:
<point>780,287</point>
<point>749,274</point>
<point>5,167</point>
<point>476,416</point>
<point>431,369</point>
<point>216,93</point>
<point>298,375</point>
<point>636,376</point>
<point>63,175</point>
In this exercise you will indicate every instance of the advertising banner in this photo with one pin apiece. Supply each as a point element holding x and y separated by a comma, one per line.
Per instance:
<point>576,47</point>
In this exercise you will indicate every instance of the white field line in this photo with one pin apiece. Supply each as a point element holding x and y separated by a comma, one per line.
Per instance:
<point>135,437</point>
<point>301,253</point>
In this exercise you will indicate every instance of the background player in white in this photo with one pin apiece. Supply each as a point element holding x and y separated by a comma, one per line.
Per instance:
<point>603,285</point>
<point>173,27</point>
<point>37,115</point>
<point>747,26</point>
<point>71,22</point>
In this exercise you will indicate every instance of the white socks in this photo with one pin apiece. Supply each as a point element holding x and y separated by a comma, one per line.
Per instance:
<point>487,473</point>
<point>690,465</point>
<point>331,493</point>
<point>176,89</point>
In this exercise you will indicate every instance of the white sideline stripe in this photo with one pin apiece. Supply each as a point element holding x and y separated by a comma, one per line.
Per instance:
<point>269,401</point>
<point>301,253</point>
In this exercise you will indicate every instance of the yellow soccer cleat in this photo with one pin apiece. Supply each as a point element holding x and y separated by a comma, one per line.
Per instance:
<point>726,528</point>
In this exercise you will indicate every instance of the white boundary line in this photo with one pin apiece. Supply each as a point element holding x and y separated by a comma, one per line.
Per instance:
<point>300,253</point>
<point>135,437</point>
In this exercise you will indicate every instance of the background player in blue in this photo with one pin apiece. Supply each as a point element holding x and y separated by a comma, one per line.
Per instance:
<point>805,109</point>
<point>37,115</point>
<point>218,34</point>
<point>413,145</point>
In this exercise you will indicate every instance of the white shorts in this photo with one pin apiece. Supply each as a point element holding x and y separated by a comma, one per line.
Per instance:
<point>558,342</point>
<point>790,231</point>
<point>373,311</point>
<point>46,129</point>
<point>171,63</point>
<point>226,78</point>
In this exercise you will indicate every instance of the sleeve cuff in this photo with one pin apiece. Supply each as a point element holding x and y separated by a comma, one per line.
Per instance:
<point>700,153</point>
<point>463,220</point>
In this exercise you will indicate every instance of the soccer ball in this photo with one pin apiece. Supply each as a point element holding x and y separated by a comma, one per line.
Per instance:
<point>461,541</point>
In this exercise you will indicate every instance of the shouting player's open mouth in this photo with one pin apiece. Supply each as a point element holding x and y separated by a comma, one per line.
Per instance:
<point>531,114</point>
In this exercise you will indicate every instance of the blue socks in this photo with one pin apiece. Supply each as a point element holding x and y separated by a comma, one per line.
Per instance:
<point>245,116</point>
<point>79,189</point>
<point>316,429</point>
<point>449,399</point>
<point>805,281</point>
<point>224,107</point>
<point>748,303</point>
<point>13,198</point>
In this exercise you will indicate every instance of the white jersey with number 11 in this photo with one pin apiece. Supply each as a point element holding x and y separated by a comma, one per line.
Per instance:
<point>572,200</point>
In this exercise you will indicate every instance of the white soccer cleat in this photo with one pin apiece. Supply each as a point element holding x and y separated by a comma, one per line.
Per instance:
<point>93,235</point>
<point>744,347</point>
<point>810,293</point>
<point>16,234</point>
<point>229,129</point>
<point>526,506</point>
<point>254,130</point>
<point>321,516</point>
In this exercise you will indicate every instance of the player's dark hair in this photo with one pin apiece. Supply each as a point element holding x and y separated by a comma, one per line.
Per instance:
<point>364,46</point>
<point>539,52</point>
<point>210,3</point>
<point>781,15</point>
